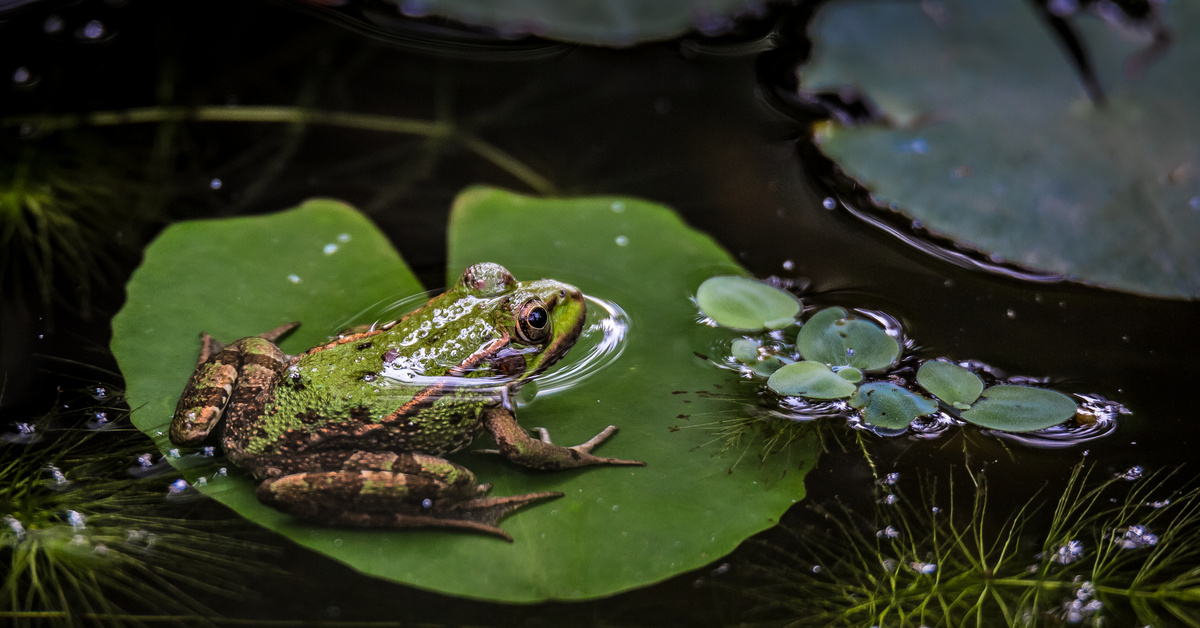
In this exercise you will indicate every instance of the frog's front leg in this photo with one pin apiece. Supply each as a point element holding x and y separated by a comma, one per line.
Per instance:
<point>518,446</point>
<point>229,376</point>
<point>386,489</point>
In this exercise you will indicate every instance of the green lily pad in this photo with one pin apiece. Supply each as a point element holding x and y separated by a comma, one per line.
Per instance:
<point>810,379</point>
<point>768,366</point>
<point>604,22</point>
<point>993,143</point>
<point>850,374</point>
<point>950,382</point>
<point>885,404</point>
<point>617,527</point>
<point>838,339</point>
<point>1020,409</point>
<point>745,304</point>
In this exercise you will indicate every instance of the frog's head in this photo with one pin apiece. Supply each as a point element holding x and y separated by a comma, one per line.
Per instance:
<point>544,317</point>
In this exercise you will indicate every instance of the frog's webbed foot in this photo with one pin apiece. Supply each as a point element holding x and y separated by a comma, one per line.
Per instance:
<point>386,499</point>
<point>541,453</point>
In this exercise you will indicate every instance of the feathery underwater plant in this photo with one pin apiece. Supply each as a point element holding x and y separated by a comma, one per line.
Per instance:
<point>1103,557</point>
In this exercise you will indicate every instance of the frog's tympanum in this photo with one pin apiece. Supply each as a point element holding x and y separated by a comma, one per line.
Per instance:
<point>350,432</point>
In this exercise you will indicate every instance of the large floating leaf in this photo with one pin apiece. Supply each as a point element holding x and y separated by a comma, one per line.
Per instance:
<point>994,144</point>
<point>605,22</point>
<point>616,528</point>
<point>1020,409</point>
<point>746,304</point>
<point>838,339</point>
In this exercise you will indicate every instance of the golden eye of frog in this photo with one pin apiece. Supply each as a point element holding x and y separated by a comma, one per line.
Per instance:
<point>351,432</point>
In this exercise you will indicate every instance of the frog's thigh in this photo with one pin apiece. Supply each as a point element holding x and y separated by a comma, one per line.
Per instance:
<point>456,476</point>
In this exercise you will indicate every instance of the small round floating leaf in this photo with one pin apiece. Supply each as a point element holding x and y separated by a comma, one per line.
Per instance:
<point>850,374</point>
<point>768,366</point>
<point>1020,409</point>
<point>746,304</point>
<point>745,350</point>
<point>950,382</point>
<point>885,404</point>
<point>838,339</point>
<point>809,379</point>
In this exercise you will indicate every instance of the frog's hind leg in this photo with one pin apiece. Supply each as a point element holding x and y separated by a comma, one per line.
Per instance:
<point>279,332</point>
<point>395,491</point>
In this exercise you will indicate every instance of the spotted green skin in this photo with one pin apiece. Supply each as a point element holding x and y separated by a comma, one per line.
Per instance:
<point>350,432</point>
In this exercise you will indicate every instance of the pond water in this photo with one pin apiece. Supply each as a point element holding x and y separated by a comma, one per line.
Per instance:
<point>704,125</point>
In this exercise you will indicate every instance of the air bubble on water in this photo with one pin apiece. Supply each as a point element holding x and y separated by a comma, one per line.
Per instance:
<point>1132,473</point>
<point>222,471</point>
<point>59,477</point>
<point>721,569</point>
<point>935,510</point>
<point>177,487</point>
<point>829,203</point>
<point>890,478</point>
<point>99,421</point>
<point>337,542</point>
<point>201,482</point>
<point>1067,554</point>
<point>76,519</point>
<point>1011,313</point>
<point>615,508</point>
<point>622,240</point>
<point>788,264</point>
<point>101,549</point>
<point>923,568</point>
<point>16,526</point>
<point>330,249</point>
<point>1162,504</point>
<point>208,451</point>
<point>816,569</point>
<point>889,532</point>
<point>343,237</point>
<point>92,30</point>
<point>99,393</point>
<point>21,75</point>
<point>1134,537</point>
<point>53,24</point>
<point>215,184</point>
<point>172,453</point>
<point>889,499</point>
<point>618,206</point>
<point>294,278</point>
<point>26,433</point>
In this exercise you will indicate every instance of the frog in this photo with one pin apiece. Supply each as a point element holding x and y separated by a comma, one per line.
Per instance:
<point>353,432</point>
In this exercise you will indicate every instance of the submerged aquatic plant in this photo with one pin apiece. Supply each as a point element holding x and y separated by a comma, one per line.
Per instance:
<point>82,538</point>
<point>64,220</point>
<point>923,562</point>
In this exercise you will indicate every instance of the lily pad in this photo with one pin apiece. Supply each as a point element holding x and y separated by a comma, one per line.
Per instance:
<point>950,382</point>
<point>1020,409</point>
<point>992,142</point>
<point>810,379</point>
<point>885,404</point>
<point>746,304</point>
<point>838,339</point>
<point>603,22</point>
<point>745,350</point>
<point>617,527</point>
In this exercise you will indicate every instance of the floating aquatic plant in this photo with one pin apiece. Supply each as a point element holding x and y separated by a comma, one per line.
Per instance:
<point>746,304</point>
<point>1111,553</point>
<point>858,357</point>
<point>78,531</point>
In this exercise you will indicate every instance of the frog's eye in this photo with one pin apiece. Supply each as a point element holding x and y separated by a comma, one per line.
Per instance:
<point>533,322</point>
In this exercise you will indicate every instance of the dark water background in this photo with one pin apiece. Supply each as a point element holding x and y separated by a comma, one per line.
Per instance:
<point>706,126</point>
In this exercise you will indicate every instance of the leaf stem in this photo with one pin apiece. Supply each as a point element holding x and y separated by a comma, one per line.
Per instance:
<point>293,115</point>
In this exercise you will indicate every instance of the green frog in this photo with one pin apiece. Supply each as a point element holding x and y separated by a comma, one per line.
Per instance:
<point>352,432</point>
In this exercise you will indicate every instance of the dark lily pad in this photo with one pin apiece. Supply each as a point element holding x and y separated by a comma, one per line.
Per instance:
<point>991,140</point>
<point>885,404</point>
<point>1020,409</point>
<point>810,379</point>
<point>838,339</point>
<point>746,304</point>
<point>616,528</point>
<point>603,22</point>
<point>950,382</point>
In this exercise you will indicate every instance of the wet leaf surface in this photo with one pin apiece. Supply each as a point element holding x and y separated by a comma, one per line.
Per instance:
<point>885,404</point>
<point>838,339</point>
<point>746,304</point>
<point>1020,408</point>
<point>810,379</point>
<point>950,382</point>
